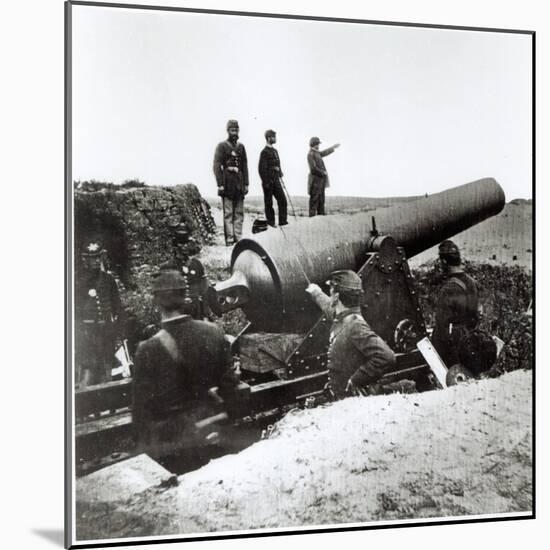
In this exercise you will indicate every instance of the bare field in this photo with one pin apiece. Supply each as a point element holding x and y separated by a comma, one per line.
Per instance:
<point>254,204</point>
<point>504,239</point>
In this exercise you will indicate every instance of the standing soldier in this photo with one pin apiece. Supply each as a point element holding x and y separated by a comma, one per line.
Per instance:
<point>175,369</point>
<point>357,356</point>
<point>457,305</point>
<point>98,316</point>
<point>231,171</point>
<point>270,171</point>
<point>318,178</point>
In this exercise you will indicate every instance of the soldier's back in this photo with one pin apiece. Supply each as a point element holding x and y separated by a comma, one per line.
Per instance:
<point>460,294</point>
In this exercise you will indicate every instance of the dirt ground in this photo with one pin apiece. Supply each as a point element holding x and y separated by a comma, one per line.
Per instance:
<point>445,453</point>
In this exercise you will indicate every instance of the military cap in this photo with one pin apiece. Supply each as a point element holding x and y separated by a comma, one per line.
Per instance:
<point>232,124</point>
<point>93,248</point>
<point>449,248</point>
<point>270,133</point>
<point>169,279</point>
<point>314,141</point>
<point>347,280</point>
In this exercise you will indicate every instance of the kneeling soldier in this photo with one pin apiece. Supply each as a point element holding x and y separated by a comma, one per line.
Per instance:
<point>357,356</point>
<point>175,369</point>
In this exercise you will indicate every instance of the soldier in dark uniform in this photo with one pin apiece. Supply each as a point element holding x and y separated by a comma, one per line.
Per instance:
<point>357,356</point>
<point>200,290</point>
<point>270,171</point>
<point>457,312</point>
<point>318,178</point>
<point>98,316</point>
<point>175,369</point>
<point>204,304</point>
<point>231,171</point>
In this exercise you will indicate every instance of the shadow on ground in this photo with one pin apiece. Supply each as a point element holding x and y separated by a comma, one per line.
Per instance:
<point>53,535</point>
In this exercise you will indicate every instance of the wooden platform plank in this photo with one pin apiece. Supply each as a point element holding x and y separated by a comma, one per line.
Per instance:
<point>103,397</point>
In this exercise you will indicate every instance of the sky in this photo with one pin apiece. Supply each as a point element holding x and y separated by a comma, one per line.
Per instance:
<point>415,110</point>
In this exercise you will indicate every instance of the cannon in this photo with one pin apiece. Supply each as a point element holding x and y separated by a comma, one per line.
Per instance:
<point>287,334</point>
<point>270,270</point>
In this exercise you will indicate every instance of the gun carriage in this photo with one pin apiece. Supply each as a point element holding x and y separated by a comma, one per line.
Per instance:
<point>286,332</point>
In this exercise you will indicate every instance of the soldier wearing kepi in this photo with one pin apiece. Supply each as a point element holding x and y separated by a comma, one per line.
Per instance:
<point>318,178</point>
<point>175,369</point>
<point>357,356</point>
<point>270,171</point>
<point>204,296</point>
<point>457,305</point>
<point>203,299</point>
<point>98,316</point>
<point>231,171</point>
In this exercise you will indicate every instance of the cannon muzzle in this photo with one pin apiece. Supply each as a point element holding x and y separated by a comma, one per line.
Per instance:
<point>271,270</point>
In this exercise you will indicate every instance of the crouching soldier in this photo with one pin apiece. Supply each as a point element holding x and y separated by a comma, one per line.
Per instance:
<point>357,356</point>
<point>175,370</point>
<point>463,346</point>
<point>457,305</point>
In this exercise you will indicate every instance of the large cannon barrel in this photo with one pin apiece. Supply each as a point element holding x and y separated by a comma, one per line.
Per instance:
<point>271,270</point>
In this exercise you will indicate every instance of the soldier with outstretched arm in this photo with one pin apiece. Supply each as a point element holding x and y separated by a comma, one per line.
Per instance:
<point>318,177</point>
<point>357,356</point>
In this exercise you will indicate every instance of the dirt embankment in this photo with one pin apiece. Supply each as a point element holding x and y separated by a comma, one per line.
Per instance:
<point>461,451</point>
